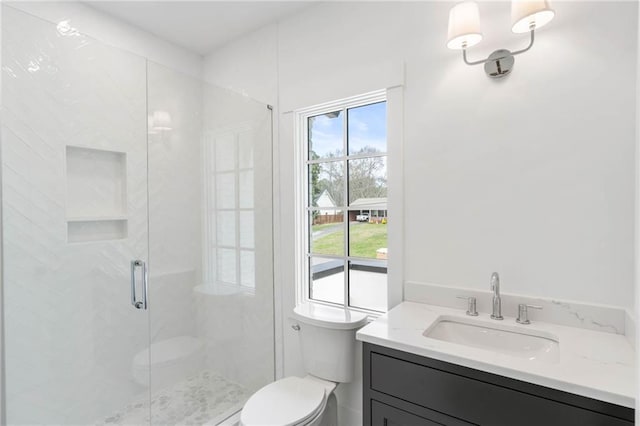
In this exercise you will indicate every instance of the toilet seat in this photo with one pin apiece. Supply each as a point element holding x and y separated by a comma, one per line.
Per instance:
<point>285,402</point>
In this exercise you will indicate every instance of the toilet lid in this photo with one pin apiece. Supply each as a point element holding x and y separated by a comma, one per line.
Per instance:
<point>286,402</point>
<point>167,351</point>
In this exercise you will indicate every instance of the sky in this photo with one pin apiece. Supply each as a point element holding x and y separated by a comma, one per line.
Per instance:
<point>367,126</point>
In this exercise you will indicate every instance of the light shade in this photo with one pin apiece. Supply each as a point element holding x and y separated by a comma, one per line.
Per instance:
<point>464,25</point>
<point>161,120</point>
<point>150,129</point>
<point>528,14</point>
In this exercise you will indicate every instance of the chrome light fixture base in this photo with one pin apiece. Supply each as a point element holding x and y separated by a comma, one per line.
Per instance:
<point>499,63</point>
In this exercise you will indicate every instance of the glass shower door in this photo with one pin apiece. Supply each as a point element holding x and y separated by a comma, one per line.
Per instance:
<point>112,164</point>
<point>210,249</point>
<point>74,166</point>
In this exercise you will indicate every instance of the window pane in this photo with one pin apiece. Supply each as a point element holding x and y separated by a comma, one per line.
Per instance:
<point>246,189</point>
<point>226,228</point>
<point>368,285</point>
<point>248,268</point>
<point>326,279</point>
<point>327,232</point>
<point>226,191</point>
<point>247,230</point>
<point>368,182</point>
<point>326,136</point>
<point>367,130</point>
<point>368,239</point>
<point>326,184</point>
<point>226,266</point>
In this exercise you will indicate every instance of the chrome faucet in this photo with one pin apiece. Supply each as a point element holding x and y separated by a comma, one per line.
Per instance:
<point>497,303</point>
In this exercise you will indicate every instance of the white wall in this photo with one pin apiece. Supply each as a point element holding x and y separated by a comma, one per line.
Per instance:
<point>532,176</point>
<point>637,224</point>
<point>114,32</point>
<point>2,373</point>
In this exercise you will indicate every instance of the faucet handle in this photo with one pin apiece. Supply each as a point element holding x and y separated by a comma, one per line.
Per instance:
<point>471,305</point>
<point>494,283</point>
<point>523,313</point>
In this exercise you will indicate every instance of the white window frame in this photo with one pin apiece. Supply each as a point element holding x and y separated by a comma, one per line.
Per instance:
<point>211,266</point>
<point>301,117</point>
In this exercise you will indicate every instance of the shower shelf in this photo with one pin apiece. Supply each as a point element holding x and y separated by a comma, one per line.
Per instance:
<point>92,229</point>
<point>95,218</point>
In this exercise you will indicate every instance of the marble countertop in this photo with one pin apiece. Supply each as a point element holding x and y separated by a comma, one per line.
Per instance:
<point>593,364</point>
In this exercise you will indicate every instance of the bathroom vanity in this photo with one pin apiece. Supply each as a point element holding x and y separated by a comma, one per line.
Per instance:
<point>413,376</point>
<point>406,389</point>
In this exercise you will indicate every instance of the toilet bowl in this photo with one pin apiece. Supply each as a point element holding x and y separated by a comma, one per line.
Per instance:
<point>168,361</point>
<point>327,338</point>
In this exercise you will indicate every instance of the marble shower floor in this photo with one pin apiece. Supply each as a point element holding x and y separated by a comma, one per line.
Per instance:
<point>197,400</point>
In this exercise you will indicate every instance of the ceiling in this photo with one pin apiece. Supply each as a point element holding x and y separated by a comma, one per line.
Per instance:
<point>199,26</point>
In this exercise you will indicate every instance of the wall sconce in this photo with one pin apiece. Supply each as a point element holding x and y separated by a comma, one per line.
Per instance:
<point>464,31</point>
<point>150,129</point>
<point>161,120</point>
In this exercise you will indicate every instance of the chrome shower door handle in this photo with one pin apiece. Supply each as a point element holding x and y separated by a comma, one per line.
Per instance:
<point>145,285</point>
<point>133,282</point>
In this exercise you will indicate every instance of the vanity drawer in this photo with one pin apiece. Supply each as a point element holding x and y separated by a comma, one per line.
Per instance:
<point>386,415</point>
<point>475,400</point>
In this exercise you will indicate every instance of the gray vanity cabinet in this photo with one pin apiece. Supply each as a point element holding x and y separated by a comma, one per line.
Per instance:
<point>402,389</point>
<point>386,415</point>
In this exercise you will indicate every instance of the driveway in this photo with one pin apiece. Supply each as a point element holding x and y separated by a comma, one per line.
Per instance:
<point>333,228</point>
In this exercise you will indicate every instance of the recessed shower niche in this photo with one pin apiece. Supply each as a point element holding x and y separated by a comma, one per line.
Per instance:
<point>96,194</point>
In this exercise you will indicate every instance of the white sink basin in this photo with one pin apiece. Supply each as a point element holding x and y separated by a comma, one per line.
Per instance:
<point>500,338</point>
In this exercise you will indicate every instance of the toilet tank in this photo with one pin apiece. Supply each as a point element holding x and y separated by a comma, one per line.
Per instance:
<point>328,340</point>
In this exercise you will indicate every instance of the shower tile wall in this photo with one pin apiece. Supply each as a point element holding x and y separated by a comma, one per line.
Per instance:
<point>175,181</point>
<point>175,221</point>
<point>89,130</point>
<point>70,331</point>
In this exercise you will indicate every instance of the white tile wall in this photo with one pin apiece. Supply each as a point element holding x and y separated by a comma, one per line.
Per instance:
<point>71,333</point>
<point>68,301</point>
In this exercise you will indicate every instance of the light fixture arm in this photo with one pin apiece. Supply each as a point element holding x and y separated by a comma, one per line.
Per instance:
<point>499,57</point>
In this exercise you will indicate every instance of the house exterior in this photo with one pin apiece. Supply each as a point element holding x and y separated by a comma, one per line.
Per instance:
<point>375,208</point>
<point>328,212</point>
<point>325,202</point>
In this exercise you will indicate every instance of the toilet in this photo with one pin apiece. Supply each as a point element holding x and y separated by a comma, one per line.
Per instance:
<point>171,360</point>
<point>328,345</point>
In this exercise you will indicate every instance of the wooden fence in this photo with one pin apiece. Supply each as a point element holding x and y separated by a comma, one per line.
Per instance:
<point>321,219</point>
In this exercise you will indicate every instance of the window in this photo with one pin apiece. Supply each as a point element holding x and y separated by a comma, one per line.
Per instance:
<point>230,210</point>
<point>345,203</point>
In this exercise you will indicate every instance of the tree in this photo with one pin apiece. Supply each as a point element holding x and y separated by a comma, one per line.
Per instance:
<point>314,175</point>
<point>367,177</point>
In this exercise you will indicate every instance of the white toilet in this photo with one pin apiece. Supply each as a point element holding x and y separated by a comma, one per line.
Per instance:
<point>327,338</point>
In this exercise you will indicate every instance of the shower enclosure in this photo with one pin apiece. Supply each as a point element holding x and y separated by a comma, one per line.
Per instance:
<point>138,283</point>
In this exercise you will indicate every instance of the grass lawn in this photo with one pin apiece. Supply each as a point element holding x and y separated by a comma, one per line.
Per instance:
<point>365,239</point>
